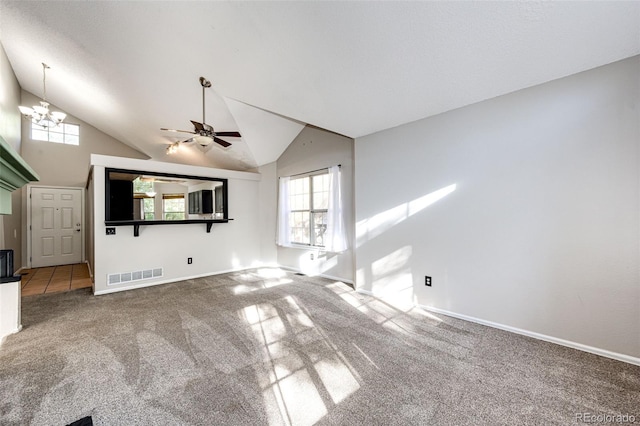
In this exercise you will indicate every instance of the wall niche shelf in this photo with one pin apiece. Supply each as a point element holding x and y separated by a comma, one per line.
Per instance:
<point>137,223</point>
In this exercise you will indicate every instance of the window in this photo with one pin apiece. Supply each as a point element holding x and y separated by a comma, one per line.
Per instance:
<point>173,207</point>
<point>64,133</point>
<point>144,193</point>
<point>310,211</point>
<point>147,207</point>
<point>309,201</point>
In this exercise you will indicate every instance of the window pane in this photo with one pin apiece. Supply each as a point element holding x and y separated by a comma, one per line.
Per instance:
<point>299,224</point>
<point>142,186</point>
<point>174,205</point>
<point>71,129</point>
<point>56,137</point>
<point>148,207</point>
<point>173,208</point>
<point>71,140</point>
<point>39,135</point>
<point>319,228</point>
<point>321,192</point>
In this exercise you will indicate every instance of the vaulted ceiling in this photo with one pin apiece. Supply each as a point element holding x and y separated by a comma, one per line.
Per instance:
<point>355,68</point>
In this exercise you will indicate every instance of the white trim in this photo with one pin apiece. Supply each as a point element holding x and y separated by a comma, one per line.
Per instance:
<point>10,333</point>
<point>89,268</point>
<point>168,168</point>
<point>562,342</point>
<point>83,220</point>
<point>330,277</point>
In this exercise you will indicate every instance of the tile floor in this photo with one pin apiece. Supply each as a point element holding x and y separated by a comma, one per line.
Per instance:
<point>55,279</point>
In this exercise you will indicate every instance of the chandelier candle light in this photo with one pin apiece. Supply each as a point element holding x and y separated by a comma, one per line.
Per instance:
<point>40,114</point>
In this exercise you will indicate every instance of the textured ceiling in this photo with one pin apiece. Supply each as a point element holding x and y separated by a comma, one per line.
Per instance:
<point>354,68</point>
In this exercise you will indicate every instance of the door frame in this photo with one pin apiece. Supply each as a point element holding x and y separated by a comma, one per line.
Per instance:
<point>83,257</point>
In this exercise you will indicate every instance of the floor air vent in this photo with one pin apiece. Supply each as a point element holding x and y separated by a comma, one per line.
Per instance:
<point>127,277</point>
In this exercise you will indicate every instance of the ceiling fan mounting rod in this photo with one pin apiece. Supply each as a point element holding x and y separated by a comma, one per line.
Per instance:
<point>205,84</point>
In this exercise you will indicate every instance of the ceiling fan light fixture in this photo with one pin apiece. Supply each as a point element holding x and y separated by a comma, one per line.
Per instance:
<point>203,140</point>
<point>40,114</point>
<point>173,148</point>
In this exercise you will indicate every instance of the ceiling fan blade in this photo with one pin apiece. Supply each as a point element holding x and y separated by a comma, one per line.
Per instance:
<point>178,131</point>
<point>229,134</point>
<point>188,140</point>
<point>221,142</point>
<point>199,127</point>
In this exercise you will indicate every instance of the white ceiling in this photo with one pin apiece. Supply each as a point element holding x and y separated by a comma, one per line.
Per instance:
<point>354,68</point>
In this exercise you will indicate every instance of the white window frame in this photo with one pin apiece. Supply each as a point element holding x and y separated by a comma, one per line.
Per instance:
<point>312,210</point>
<point>59,129</point>
<point>173,197</point>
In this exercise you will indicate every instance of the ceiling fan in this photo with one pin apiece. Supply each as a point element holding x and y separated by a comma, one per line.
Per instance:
<point>204,133</point>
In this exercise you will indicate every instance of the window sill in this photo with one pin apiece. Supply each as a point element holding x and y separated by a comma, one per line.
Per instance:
<point>303,247</point>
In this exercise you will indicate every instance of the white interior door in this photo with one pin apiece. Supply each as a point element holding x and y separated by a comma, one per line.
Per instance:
<point>56,226</point>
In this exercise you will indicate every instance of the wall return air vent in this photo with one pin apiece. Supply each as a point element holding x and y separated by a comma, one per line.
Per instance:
<point>129,277</point>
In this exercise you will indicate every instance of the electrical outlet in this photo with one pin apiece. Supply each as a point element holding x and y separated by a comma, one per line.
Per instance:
<point>427,281</point>
<point>111,231</point>
<point>189,260</point>
<point>311,256</point>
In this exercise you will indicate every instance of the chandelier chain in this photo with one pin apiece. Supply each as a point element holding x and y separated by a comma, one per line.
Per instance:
<point>44,81</point>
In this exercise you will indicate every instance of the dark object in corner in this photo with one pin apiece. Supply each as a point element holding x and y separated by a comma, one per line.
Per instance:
<point>6,267</point>
<point>6,263</point>
<point>85,421</point>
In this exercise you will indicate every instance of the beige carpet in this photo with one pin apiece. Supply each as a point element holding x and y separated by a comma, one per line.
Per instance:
<point>273,348</point>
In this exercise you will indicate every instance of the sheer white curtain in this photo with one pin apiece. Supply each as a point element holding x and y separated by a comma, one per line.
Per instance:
<point>335,239</point>
<point>284,210</point>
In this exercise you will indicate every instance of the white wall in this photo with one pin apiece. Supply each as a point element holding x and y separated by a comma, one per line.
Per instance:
<point>542,230</point>
<point>229,246</point>
<point>268,213</point>
<point>315,149</point>
<point>10,225</point>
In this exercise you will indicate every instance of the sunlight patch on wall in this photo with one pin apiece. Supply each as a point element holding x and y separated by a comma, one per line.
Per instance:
<point>392,279</point>
<point>321,263</point>
<point>370,228</point>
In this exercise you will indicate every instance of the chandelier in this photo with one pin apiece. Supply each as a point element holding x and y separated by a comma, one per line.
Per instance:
<point>40,114</point>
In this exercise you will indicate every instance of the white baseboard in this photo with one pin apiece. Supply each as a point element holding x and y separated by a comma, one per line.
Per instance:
<point>9,334</point>
<point>329,277</point>
<point>579,346</point>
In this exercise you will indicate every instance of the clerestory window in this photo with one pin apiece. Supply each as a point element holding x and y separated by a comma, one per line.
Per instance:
<point>64,133</point>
